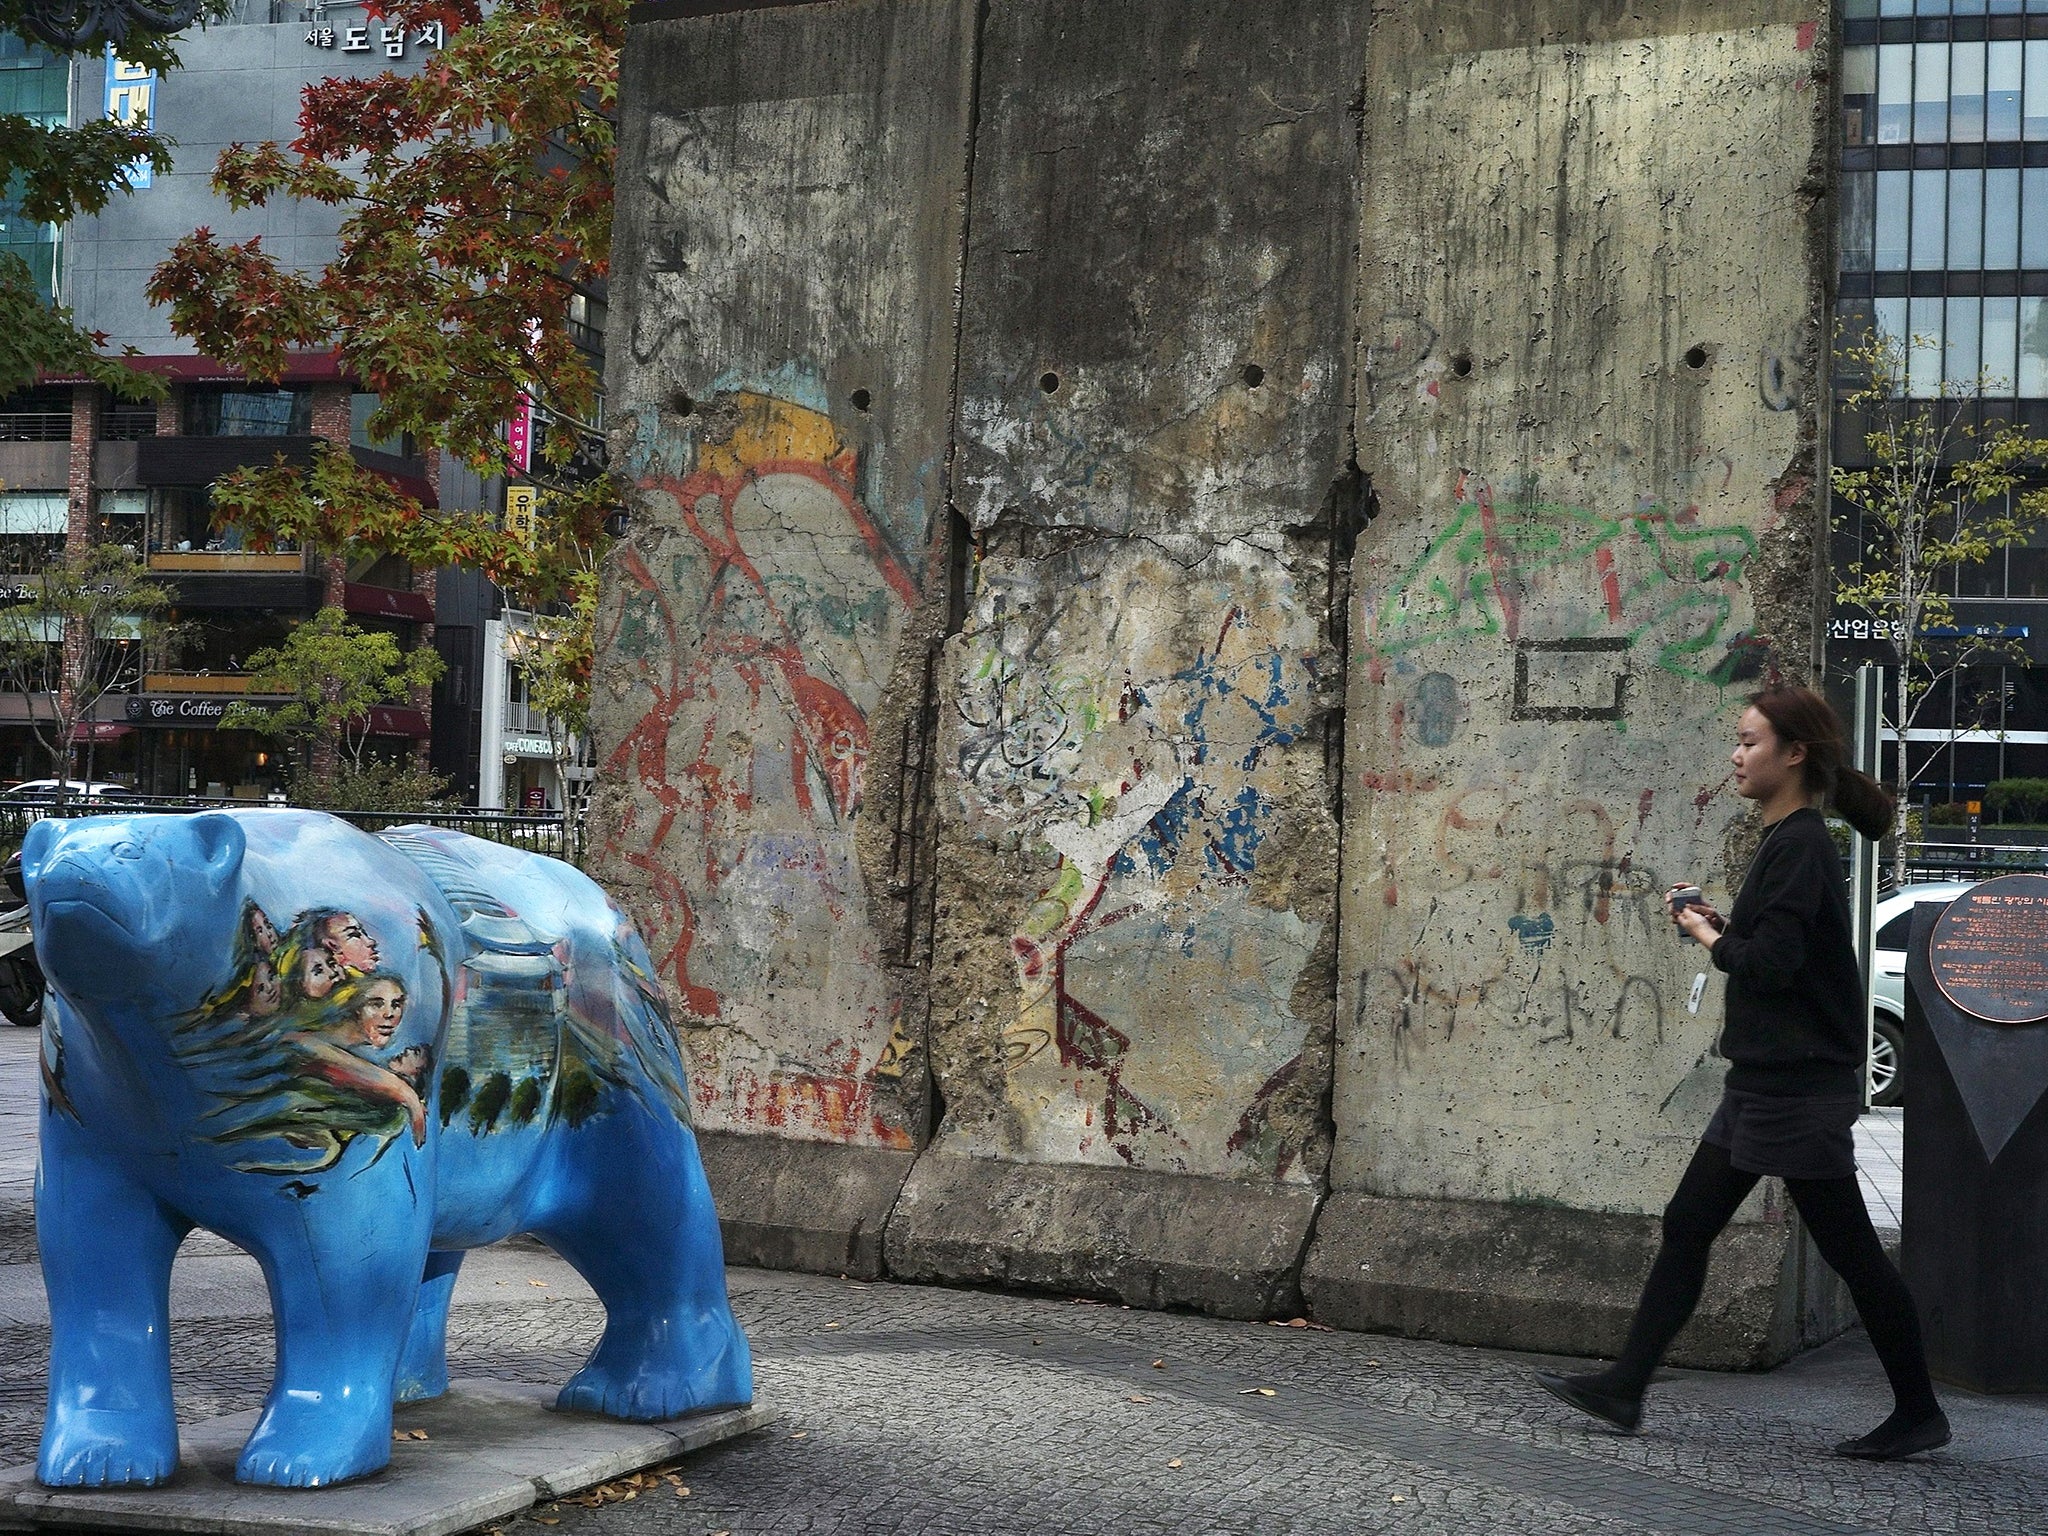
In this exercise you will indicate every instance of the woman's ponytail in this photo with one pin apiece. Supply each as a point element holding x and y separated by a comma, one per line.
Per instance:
<point>1864,803</point>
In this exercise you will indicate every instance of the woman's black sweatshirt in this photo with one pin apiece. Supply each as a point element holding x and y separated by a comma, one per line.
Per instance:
<point>1795,1020</point>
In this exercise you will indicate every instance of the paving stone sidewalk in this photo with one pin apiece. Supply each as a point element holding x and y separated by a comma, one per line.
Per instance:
<point>954,1413</point>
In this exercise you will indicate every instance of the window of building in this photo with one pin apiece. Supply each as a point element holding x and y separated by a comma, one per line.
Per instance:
<point>1859,95</point>
<point>2026,567</point>
<point>361,407</point>
<point>1857,195</point>
<point>36,85</point>
<point>1892,204</point>
<point>1930,221</point>
<point>587,321</point>
<point>181,522</point>
<point>1966,219</point>
<point>125,421</point>
<point>36,415</point>
<point>1894,93</point>
<point>220,644</point>
<point>1966,95</point>
<point>246,411</point>
<point>122,517</point>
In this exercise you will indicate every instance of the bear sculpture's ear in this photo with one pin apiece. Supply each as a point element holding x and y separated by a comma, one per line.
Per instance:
<point>37,845</point>
<point>220,841</point>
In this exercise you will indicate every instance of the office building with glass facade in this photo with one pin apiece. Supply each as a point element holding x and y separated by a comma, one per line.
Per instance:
<point>1943,207</point>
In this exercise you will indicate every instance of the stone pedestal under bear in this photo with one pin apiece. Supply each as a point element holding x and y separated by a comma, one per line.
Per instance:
<point>354,1056</point>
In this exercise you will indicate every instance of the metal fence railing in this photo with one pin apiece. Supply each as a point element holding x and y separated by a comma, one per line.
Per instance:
<point>1970,861</point>
<point>537,832</point>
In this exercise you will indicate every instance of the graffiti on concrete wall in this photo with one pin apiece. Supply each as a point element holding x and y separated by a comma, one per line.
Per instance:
<point>1653,577</point>
<point>1142,743</point>
<point>752,636</point>
<point>1527,903</point>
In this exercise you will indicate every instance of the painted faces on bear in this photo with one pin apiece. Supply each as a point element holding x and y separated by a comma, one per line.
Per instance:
<point>318,974</point>
<point>377,1014</point>
<point>349,942</point>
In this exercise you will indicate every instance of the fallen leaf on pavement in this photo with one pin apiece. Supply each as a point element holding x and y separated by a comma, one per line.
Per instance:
<point>1158,1365</point>
<point>798,1434</point>
<point>1255,1392</point>
<point>541,1283</point>
<point>831,1325</point>
<point>1175,1462</point>
<point>1134,1398</point>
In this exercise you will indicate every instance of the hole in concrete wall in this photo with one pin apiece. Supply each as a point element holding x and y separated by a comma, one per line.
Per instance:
<point>1461,365</point>
<point>1696,357</point>
<point>862,399</point>
<point>1048,382</point>
<point>1253,375</point>
<point>681,403</point>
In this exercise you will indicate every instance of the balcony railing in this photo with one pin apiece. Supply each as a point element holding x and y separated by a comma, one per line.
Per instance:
<point>127,424</point>
<point>196,682</point>
<point>35,426</point>
<point>290,562</point>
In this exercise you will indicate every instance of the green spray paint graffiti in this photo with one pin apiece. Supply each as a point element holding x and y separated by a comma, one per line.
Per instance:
<point>1652,576</point>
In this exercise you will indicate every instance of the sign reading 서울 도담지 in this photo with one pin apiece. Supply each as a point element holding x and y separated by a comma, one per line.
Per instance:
<point>1989,950</point>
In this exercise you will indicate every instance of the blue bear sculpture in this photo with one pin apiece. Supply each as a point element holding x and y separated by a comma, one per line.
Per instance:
<point>355,1057</point>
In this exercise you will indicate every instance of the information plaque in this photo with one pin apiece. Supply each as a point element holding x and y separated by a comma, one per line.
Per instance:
<point>1989,951</point>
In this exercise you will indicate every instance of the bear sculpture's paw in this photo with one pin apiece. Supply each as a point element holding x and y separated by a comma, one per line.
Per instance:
<point>306,1446</point>
<point>107,1448</point>
<point>646,1391</point>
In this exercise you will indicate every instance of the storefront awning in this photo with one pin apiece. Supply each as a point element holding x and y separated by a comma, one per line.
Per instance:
<point>99,730</point>
<point>397,720</point>
<point>387,602</point>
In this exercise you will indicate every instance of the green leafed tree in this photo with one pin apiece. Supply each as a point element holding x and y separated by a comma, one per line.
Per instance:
<point>477,198</point>
<point>329,674</point>
<point>99,595</point>
<point>1946,488</point>
<point>555,653</point>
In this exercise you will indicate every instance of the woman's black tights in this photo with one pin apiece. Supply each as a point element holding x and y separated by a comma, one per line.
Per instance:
<point>1834,1213</point>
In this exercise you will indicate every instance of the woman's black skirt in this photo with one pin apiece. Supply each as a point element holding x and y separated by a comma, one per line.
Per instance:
<point>1793,1137</point>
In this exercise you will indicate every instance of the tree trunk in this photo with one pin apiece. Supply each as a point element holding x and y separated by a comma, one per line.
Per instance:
<point>1901,780</point>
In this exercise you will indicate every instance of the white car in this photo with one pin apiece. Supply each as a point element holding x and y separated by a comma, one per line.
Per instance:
<point>1888,982</point>
<point>46,789</point>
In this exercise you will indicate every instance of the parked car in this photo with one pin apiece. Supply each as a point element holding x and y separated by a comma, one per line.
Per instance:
<point>1888,983</point>
<point>46,789</point>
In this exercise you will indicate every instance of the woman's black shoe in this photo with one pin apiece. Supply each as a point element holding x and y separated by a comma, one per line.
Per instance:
<point>1589,1394</point>
<point>1888,1442</point>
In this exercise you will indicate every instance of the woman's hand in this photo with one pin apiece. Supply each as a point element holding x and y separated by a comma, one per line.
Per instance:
<point>1701,922</point>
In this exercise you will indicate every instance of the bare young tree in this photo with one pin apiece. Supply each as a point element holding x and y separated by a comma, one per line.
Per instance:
<point>75,625</point>
<point>1946,487</point>
<point>554,650</point>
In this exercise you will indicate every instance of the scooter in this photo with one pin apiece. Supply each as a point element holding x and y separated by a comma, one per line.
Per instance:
<point>21,978</point>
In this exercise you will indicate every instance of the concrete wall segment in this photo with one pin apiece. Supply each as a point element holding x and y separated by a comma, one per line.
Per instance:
<point>1587,310</point>
<point>781,371</point>
<point>1135,941</point>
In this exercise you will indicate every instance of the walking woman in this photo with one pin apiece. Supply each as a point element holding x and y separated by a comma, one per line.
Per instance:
<point>1794,1039</point>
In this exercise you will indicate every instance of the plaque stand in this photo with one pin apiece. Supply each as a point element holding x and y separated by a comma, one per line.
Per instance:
<point>1974,1244</point>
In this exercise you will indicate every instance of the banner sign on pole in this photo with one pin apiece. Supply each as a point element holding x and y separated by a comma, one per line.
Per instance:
<point>520,501</point>
<point>519,436</point>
